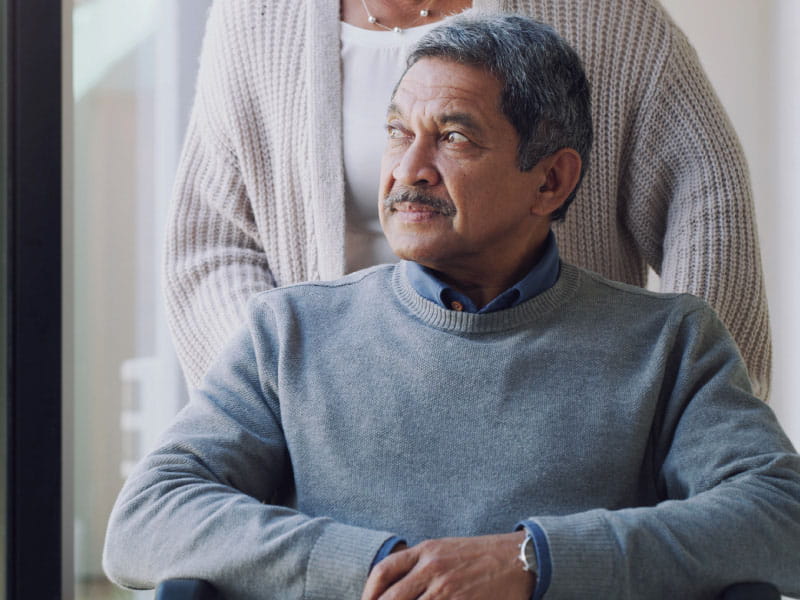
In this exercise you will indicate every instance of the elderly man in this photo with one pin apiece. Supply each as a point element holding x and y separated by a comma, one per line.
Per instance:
<point>402,432</point>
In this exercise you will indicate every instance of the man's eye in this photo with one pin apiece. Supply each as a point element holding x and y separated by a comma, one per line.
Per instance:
<point>394,133</point>
<point>454,137</point>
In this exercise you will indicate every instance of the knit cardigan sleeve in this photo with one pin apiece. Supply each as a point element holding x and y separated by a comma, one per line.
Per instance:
<point>214,259</point>
<point>686,200</point>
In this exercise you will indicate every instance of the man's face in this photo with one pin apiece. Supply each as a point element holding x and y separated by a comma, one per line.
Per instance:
<point>452,195</point>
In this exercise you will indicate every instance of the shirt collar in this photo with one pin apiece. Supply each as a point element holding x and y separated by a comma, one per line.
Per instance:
<point>540,278</point>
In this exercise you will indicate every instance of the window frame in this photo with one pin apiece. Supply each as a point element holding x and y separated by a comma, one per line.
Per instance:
<point>32,373</point>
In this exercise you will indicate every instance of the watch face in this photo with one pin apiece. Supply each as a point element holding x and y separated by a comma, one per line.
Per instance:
<point>530,555</point>
<point>527,554</point>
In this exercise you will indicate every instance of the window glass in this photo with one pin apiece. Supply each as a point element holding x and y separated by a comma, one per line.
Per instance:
<point>133,69</point>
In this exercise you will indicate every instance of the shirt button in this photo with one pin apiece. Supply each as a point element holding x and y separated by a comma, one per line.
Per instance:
<point>456,305</point>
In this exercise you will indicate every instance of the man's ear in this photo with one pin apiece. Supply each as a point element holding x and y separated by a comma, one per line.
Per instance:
<point>558,175</point>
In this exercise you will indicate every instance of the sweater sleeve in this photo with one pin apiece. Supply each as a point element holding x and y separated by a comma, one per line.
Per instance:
<point>730,480</point>
<point>204,503</point>
<point>214,259</point>
<point>686,200</point>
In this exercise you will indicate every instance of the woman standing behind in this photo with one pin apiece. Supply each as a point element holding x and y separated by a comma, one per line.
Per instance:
<point>278,179</point>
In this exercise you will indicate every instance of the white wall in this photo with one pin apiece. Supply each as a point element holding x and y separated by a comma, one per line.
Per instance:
<point>782,239</point>
<point>751,52</point>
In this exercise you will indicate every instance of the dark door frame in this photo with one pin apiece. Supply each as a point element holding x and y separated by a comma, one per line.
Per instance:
<point>31,194</point>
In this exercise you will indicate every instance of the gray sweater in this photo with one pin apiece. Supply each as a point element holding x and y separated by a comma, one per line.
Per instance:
<point>618,419</point>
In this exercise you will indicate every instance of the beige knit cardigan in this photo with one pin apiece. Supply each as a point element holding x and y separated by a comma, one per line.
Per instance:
<point>259,197</point>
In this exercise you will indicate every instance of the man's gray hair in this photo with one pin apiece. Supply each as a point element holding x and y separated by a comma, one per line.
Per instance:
<point>545,93</point>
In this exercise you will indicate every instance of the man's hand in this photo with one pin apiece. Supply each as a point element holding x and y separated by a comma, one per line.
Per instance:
<point>475,568</point>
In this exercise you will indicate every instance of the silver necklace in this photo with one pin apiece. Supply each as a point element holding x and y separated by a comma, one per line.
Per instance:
<point>423,13</point>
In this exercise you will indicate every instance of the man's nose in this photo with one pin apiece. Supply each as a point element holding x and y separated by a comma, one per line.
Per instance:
<point>416,166</point>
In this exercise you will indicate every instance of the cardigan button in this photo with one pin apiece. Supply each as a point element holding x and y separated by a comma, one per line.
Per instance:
<point>456,305</point>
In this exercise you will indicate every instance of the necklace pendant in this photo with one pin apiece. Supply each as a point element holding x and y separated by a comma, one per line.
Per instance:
<point>372,19</point>
<point>397,30</point>
<point>424,12</point>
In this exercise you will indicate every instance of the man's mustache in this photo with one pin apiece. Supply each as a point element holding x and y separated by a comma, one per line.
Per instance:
<point>416,197</point>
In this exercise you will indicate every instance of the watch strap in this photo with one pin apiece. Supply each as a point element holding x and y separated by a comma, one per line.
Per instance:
<point>527,554</point>
<point>541,547</point>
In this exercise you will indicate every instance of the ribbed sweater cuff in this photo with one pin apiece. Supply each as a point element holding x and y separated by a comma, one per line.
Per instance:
<point>340,561</point>
<point>582,553</point>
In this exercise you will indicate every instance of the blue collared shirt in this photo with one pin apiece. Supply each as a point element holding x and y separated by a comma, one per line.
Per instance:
<point>540,278</point>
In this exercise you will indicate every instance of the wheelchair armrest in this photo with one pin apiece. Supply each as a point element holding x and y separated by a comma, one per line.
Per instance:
<point>197,589</point>
<point>751,591</point>
<point>186,589</point>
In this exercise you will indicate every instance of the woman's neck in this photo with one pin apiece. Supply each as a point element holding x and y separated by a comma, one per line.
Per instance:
<point>403,14</point>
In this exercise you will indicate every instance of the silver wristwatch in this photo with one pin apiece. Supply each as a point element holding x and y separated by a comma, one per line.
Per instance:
<point>527,555</point>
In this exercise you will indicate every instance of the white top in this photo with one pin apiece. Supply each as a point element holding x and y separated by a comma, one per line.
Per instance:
<point>372,62</point>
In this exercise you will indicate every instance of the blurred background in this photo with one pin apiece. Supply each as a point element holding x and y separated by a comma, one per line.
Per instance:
<point>129,69</point>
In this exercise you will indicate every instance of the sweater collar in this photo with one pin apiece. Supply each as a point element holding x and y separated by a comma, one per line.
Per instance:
<point>519,316</point>
<point>539,279</point>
